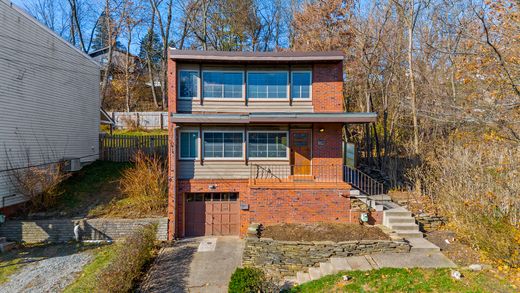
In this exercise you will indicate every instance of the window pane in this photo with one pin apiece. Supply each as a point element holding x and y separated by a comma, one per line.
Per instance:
<point>223,144</point>
<point>267,85</point>
<point>222,84</point>
<point>301,83</point>
<point>188,84</point>
<point>189,144</point>
<point>267,145</point>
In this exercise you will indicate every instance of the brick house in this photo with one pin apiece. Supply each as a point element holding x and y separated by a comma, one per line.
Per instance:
<point>257,138</point>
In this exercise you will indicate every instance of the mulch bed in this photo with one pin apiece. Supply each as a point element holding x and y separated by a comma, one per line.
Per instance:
<point>459,252</point>
<point>323,232</point>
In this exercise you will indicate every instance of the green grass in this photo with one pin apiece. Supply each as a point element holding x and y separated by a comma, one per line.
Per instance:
<point>407,280</point>
<point>87,281</point>
<point>7,268</point>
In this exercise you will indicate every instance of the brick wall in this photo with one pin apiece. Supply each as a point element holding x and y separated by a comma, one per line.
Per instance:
<point>172,149</point>
<point>327,87</point>
<point>62,230</point>
<point>327,150</point>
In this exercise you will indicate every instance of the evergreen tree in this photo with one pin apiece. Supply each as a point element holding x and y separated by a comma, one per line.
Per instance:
<point>151,47</point>
<point>101,37</point>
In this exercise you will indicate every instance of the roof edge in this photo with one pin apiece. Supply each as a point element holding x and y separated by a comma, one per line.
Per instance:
<point>286,56</point>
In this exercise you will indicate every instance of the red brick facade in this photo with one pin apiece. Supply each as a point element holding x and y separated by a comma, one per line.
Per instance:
<point>327,87</point>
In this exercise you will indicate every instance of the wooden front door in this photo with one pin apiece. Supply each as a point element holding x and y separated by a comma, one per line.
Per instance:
<point>301,151</point>
<point>212,213</point>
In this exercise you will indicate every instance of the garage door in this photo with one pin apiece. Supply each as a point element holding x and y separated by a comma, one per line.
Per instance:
<point>212,213</point>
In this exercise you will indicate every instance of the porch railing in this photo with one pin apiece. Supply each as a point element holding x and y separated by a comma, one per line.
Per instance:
<point>363,182</point>
<point>296,173</point>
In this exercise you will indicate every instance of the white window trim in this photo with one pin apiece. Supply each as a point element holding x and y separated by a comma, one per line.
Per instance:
<point>270,99</point>
<point>223,98</point>
<point>310,86</point>
<point>223,158</point>
<point>198,85</point>
<point>197,145</point>
<point>286,158</point>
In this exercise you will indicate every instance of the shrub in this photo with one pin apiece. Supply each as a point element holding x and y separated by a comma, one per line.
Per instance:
<point>246,280</point>
<point>130,257</point>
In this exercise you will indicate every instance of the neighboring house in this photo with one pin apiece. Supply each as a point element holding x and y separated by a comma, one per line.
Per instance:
<point>118,59</point>
<point>49,100</point>
<point>257,138</point>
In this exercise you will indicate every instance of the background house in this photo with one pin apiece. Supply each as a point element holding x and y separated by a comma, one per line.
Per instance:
<point>49,99</point>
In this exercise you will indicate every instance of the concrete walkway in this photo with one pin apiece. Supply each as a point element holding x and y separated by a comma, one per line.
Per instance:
<point>202,264</point>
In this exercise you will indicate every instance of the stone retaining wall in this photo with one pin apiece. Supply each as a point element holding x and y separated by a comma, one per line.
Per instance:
<point>62,230</point>
<point>288,257</point>
<point>429,222</point>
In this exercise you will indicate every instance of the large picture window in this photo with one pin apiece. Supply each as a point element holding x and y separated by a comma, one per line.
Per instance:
<point>188,84</point>
<point>267,85</point>
<point>223,144</point>
<point>222,85</point>
<point>301,85</point>
<point>189,144</point>
<point>267,144</point>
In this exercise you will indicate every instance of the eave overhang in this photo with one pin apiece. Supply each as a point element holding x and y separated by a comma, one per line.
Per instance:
<point>342,117</point>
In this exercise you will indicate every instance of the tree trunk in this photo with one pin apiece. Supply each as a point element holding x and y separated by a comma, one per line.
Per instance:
<point>412,82</point>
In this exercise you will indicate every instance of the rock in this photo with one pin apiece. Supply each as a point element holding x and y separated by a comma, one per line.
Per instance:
<point>456,275</point>
<point>475,267</point>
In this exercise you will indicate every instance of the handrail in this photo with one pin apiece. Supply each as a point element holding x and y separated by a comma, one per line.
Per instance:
<point>363,182</point>
<point>293,173</point>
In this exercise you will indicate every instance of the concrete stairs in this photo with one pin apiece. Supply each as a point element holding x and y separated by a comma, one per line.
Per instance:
<point>6,246</point>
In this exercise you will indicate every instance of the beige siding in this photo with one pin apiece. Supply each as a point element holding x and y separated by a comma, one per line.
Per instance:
<point>49,98</point>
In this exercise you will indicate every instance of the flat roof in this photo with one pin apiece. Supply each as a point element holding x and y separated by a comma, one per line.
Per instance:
<point>342,117</point>
<point>238,56</point>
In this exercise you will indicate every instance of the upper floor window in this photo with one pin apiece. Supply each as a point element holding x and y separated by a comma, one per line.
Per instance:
<point>223,144</point>
<point>267,85</point>
<point>222,84</point>
<point>301,85</point>
<point>267,144</point>
<point>188,84</point>
<point>189,143</point>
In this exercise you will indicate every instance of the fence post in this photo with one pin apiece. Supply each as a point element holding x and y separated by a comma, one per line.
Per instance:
<point>137,115</point>
<point>161,117</point>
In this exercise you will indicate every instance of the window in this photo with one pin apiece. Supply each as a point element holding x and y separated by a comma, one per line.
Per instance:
<point>188,84</point>
<point>223,144</point>
<point>219,85</point>
<point>267,144</point>
<point>189,144</point>
<point>301,85</point>
<point>267,85</point>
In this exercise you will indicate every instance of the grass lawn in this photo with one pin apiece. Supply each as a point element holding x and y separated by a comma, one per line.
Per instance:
<point>407,280</point>
<point>87,281</point>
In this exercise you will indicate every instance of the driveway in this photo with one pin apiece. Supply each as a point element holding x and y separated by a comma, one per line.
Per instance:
<point>202,264</point>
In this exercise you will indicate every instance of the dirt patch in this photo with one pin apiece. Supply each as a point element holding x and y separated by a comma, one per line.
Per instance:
<point>323,232</point>
<point>460,253</point>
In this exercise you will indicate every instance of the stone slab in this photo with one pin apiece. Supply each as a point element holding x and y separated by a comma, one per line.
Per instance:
<point>413,260</point>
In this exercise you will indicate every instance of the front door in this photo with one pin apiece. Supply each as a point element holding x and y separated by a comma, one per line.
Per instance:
<point>301,151</point>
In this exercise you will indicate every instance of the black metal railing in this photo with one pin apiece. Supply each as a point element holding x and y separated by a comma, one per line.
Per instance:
<point>363,182</point>
<point>296,173</point>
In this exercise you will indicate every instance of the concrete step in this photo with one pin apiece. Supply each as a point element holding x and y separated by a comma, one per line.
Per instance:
<point>404,220</point>
<point>397,212</point>
<point>380,197</point>
<point>326,268</point>
<point>302,277</point>
<point>423,245</point>
<point>340,264</point>
<point>315,273</point>
<point>404,227</point>
<point>409,234</point>
<point>359,263</point>
<point>6,246</point>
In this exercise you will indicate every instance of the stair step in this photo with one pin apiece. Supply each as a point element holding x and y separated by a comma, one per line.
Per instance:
<point>404,227</point>
<point>302,277</point>
<point>315,273</point>
<point>423,245</point>
<point>397,212</point>
<point>340,264</point>
<point>326,268</point>
<point>410,234</point>
<point>359,263</point>
<point>399,220</point>
<point>6,246</point>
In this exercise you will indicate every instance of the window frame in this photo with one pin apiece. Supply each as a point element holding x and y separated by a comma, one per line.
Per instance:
<point>310,85</point>
<point>198,85</point>
<point>223,98</point>
<point>287,147</point>
<point>223,158</point>
<point>288,87</point>
<point>197,144</point>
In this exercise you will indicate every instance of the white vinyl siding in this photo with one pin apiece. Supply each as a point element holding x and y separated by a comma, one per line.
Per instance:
<point>49,96</point>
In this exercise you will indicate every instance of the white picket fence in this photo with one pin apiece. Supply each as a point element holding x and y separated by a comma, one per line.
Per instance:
<point>145,120</point>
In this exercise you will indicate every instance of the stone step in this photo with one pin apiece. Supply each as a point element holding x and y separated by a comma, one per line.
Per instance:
<point>359,263</point>
<point>302,277</point>
<point>315,273</point>
<point>396,220</point>
<point>6,246</point>
<point>326,268</point>
<point>340,264</point>
<point>404,227</point>
<point>409,234</point>
<point>422,245</point>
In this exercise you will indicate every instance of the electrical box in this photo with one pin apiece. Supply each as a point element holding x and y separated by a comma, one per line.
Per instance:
<point>72,165</point>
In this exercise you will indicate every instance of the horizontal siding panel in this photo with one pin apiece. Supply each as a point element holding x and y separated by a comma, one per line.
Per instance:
<point>221,169</point>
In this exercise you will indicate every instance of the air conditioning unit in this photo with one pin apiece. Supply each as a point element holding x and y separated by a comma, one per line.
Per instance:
<point>72,164</point>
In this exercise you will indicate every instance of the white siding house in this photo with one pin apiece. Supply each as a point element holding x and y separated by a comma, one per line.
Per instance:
<point>49,99</point>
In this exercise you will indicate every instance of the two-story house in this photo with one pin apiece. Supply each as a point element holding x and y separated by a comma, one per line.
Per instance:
<point>256,138</point>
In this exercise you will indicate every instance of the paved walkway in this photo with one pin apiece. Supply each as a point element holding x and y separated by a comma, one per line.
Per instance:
<point>202,264</point>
